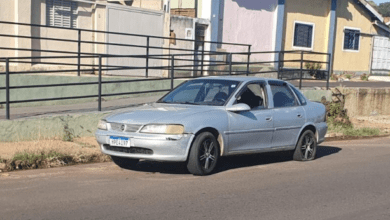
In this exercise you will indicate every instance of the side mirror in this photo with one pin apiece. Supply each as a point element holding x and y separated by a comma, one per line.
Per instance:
<point>239,108</point>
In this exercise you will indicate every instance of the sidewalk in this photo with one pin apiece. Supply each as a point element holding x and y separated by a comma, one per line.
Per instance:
<point>23,112</point>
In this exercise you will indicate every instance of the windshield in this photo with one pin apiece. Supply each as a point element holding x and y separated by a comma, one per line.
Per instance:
<point>202,92</point>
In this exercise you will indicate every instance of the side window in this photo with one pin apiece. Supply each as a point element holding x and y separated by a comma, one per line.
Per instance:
<point>253,95</point>
<point>299,95</point>
<point>283,96</point>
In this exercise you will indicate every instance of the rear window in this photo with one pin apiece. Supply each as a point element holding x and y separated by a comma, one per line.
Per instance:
<point>300,96</point>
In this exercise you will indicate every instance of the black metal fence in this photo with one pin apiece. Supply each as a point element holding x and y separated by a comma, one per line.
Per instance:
<point>288,66</point>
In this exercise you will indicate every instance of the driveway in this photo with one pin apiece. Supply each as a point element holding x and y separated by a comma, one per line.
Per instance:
<point>349,180</point>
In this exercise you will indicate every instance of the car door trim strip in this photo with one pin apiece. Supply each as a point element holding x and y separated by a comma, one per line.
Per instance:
<point>248,131</point>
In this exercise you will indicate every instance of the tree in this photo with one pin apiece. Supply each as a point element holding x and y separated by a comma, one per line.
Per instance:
<point>384,9</point>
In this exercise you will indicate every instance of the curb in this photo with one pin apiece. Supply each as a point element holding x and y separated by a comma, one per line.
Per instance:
<point>347,138</point>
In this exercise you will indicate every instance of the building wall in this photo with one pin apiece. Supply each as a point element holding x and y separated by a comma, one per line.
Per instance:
<point>311,11</point>
<point>249,22</point>
<point>7,13</point>
<point>350,14</point>
<point>149,4</point>
<point>90,17</point>
<point>182,3</point>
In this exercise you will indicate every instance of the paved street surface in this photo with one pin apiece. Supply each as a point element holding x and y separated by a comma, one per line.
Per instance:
<point>349,180</point>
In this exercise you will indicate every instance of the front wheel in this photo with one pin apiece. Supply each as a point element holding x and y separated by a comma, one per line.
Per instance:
<point>203,155</point>
<point>306,148</point>
<point>124,162</point>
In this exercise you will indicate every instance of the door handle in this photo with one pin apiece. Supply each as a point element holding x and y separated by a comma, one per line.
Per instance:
<point>299,115</point>
<point>268,118</point>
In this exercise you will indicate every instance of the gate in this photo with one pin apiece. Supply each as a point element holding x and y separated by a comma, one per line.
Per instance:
<point>381,56</point>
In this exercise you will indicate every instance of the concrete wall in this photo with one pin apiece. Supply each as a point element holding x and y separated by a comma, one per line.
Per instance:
<point>83,125</point>
<point>367,101</point>
<point>349,14</point>
<point>249,22</point>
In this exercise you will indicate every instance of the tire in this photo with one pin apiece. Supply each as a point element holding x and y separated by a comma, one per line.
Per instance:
<point>204,154</point>
<point>302,152</point>
<point>124,162</point>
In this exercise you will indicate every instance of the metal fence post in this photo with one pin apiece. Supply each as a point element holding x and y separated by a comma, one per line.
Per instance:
<point>7,115</point>
<point>79,53</point>
<point>147,56</point>
<point>300,77</point>
<point>100,84</point>
<point>230,63</point>
<point>172,71</point>
<point>201,62</point>
<point>195,68</point>
<point>327,80</point>
<point>249,60</point>
<point>279,63</point>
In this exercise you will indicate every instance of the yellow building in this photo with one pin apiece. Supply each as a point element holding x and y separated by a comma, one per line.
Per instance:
<point>343,28</point>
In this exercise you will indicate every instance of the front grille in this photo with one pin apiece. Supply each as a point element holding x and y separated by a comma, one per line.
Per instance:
<point>131,150</point>
<point>127,127</point>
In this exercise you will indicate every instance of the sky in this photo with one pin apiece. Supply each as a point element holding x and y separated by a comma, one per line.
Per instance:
<point>380,1</point>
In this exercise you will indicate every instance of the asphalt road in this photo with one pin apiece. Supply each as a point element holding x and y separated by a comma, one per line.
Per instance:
<point>349,180</point>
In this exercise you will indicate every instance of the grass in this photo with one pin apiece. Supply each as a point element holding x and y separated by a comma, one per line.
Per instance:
<point>31,157</point>
<point>354,132</point>
<point>50,153</point>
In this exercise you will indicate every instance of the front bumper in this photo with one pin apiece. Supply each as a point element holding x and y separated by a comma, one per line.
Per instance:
<point>163,147</point>
<point>322,128</point>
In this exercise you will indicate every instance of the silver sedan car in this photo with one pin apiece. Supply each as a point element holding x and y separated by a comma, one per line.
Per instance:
<point>206,118</point>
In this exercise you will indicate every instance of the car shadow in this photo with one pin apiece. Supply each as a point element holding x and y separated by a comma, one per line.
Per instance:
<point>241,161</point>
<point>230,162</point>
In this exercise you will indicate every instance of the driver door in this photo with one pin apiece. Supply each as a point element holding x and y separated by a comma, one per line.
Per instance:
<point>251,130</point>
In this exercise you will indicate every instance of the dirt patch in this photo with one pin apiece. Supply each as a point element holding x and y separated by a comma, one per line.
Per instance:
<point>381,122</point>
<point>49,153</point>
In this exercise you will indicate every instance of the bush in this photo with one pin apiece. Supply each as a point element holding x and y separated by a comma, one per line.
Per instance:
<point>364,77</point>
<point>348,76</point>
<point>314,69</point>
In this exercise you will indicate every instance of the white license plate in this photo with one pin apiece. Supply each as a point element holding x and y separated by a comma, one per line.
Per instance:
<point>119,141</point>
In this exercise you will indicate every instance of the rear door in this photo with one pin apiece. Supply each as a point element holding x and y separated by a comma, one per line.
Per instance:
<point>289,115</point>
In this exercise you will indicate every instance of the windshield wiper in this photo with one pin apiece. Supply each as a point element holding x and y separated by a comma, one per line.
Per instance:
<point>187,103</point>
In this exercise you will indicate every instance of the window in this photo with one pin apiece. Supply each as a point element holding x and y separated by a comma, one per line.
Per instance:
<point>299,95</point>
<point>282,96</point>
<point>253,95</point>
<point>61,13</point>
<point>351,39</point>
<point>303,35</point>
<point>202,92</point>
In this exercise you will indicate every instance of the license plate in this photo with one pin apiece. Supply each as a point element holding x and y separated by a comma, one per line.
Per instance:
<point>119,141</point>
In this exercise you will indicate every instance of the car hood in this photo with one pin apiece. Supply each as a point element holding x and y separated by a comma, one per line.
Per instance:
<point>157,113</point>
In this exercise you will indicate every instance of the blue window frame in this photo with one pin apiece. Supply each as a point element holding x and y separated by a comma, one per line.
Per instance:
<point>303,35</point>
<point>351,39</point>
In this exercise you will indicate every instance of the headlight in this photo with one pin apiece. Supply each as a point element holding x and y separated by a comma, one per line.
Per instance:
<point>163,129</point>
<point>102,125</point>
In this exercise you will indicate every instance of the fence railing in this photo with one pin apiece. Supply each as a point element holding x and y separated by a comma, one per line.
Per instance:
<point>175,63</point>
<point>147,45</point>
<point>227,66</point>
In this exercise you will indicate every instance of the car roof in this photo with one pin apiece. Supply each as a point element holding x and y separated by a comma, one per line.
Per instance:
<point>238,78</point>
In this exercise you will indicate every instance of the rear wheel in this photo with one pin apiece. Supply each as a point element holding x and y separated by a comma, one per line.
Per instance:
<point>306,148</point>
<point>203,155</point>
<point>124,162</point>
